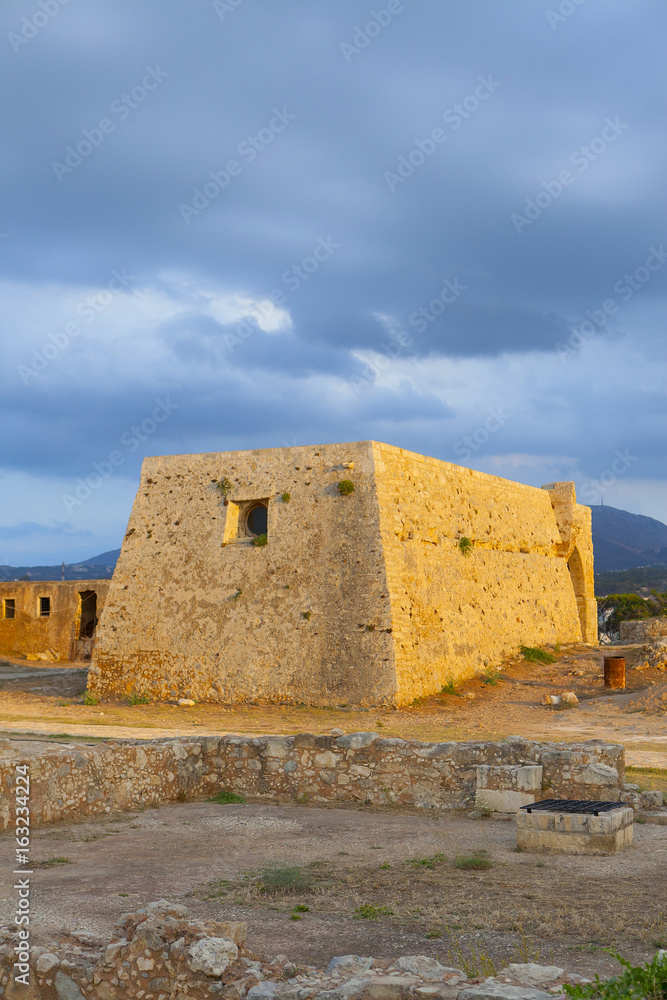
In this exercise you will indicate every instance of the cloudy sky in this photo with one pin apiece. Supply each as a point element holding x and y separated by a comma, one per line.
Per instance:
<point>255,223</point>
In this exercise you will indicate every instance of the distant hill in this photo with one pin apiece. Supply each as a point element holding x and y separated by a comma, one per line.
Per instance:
<point>641,580</point>
<point>621,542</point>
<point>624,541</point>
<point>98,568</point>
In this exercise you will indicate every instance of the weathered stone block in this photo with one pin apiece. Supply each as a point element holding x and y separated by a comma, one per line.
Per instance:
<point>574,833</point>
<point>504,788</point>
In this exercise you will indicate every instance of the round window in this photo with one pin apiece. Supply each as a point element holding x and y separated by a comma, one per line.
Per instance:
<point>258,520</point>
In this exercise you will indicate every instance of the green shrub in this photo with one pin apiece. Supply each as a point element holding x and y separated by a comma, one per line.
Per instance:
<point>533,654</point>
<point>638,982</point>
<point>260,540</point>
<point>477,861</point>
<point>138,699</point>
<point>345,487</point>
<point>631,607</point>
<point>286,497</point>
<point>465,545</point>
<point>228,798</point>
<point>449,687</point>
<point>490,676</point>
<point>284,878</point>
<point>90,699</point>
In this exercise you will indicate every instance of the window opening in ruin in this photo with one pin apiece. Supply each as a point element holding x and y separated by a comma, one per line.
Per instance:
<point>44,607</point>
<point>87,613</point>
<point>257,521</point>
<point>10,607</point>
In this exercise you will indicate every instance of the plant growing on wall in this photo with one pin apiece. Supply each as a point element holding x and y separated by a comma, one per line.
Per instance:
<point>345,487</point>
<point>286,497</point>
<point>260,540</point>
<point>223,486</point>
<point>465,545</point>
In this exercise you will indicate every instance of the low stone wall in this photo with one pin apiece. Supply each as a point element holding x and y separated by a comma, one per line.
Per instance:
<point>68,782</point>
<point>643,630</point>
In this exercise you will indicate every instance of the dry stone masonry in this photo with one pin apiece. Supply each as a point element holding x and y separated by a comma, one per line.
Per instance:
<point>68,781</point>
<point>643,630</point>
<point>162,953</point>
<point>341,574</point>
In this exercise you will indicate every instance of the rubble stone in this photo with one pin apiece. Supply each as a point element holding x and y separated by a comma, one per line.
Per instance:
<point>212,955</point>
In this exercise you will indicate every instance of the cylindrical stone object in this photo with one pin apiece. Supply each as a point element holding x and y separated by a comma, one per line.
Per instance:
<point>614,672</point>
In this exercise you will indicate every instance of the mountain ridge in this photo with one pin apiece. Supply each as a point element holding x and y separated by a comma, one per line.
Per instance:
<point>621,541</point>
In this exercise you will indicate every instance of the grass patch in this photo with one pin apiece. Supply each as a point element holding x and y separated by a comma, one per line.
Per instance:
<point>51,863</point>
<point>138,699</point>
<point>228,798</point>
<point>432,862</point>
<point>215,890</point>
<point>260,540</point>
<point>652,779</point>
<point>490,676</point>
<point>533,654</point>
<point>279,879</point>
<point>475,862</point>
<point>368,912</point>
<point>449,687</point>
<point>90,699</point>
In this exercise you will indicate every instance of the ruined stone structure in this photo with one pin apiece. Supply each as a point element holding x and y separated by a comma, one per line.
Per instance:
<point>257,576</point>
<point>56,618</point>
<point>643,630</point>
<point>70,782</point>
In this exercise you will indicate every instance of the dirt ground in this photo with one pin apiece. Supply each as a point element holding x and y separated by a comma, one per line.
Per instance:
<point>376,882</point>
<point>511,705</point>
<point>402,863</point>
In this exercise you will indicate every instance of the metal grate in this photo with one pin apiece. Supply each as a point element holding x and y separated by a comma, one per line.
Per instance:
<point>573,806</point>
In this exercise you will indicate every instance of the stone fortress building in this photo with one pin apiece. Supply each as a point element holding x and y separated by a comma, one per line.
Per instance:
<point>357,574</point>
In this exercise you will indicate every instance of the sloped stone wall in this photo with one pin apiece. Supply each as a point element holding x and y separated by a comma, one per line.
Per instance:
<point>365,598</point>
